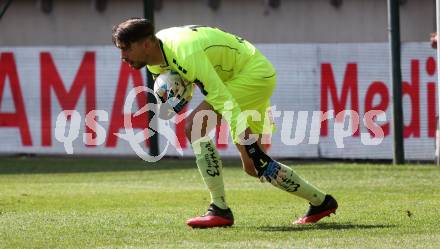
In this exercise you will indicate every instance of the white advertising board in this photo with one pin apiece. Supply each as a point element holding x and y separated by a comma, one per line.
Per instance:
<point>37,83</point>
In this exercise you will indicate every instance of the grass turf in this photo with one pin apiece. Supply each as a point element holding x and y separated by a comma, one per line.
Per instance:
<point>115,203</point>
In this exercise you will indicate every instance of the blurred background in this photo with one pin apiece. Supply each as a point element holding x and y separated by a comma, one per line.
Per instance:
<point>57,55</point>
<point>87,22</point>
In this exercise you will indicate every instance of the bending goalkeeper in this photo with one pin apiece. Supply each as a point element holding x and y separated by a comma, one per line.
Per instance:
<point>234,77</point>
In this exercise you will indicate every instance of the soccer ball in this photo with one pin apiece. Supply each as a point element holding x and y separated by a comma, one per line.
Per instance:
<point>174,92</point>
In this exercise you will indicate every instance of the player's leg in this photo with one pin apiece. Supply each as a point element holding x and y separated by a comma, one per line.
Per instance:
<point>257,163</point>
<point>253,92</point>
<point>199,123</point>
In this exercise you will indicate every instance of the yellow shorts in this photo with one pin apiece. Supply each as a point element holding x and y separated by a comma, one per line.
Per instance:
<point>252,89</point>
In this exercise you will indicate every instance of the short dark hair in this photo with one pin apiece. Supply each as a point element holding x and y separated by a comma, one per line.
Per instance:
<point>132,30</point>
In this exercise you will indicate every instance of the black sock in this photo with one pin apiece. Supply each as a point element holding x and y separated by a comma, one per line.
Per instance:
<point>260,159</point>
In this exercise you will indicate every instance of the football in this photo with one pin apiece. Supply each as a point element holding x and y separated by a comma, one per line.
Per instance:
<point>174,92</point>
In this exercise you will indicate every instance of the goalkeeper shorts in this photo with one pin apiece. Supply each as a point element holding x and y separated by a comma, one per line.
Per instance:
<point>252,88</point>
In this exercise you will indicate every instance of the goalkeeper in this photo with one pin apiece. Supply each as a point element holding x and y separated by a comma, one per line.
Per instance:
<point>234,77</point>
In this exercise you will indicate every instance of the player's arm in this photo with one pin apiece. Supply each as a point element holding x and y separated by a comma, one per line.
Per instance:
<point>200,71</point>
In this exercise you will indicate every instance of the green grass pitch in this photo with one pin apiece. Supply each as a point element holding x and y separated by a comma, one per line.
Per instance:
<point>128,203</point>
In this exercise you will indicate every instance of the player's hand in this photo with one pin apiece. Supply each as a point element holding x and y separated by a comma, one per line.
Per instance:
<point>434,37</point>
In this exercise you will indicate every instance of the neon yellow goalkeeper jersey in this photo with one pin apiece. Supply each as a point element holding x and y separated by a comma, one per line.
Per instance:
<point>209,57</point>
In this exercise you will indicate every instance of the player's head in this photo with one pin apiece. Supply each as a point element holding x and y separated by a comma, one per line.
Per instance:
<point>135,37</point>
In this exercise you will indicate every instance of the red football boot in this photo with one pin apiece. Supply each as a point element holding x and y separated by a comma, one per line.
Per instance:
<point>315,213</point>
<point>215,217</point>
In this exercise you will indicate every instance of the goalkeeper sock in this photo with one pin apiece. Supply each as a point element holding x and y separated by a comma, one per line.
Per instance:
<point>210,166</point>
<point>285,178</point>
<point>282,176</point>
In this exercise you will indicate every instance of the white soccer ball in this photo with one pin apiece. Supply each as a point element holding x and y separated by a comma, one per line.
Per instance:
<point>174,93</point>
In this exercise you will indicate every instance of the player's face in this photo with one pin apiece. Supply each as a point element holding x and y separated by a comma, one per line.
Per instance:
<point>134,54</point>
